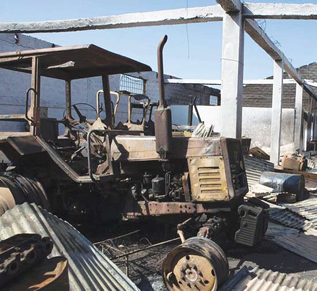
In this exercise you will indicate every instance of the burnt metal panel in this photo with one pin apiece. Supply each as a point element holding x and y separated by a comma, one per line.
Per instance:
<point>25,145</point>
<point>72,62</point>
<point>143,148</point>
<point>135,209</point>
<point>89,269</point>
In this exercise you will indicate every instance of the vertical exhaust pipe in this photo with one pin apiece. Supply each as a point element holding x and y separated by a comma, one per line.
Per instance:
<point>162,102</point>
<point>163,114</point>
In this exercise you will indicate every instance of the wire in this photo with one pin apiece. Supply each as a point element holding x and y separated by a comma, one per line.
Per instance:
<point>11,42</point>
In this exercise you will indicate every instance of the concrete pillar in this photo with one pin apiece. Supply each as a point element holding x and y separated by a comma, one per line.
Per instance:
<point>309,122</point>
<point>276,121</point>
<point>298,134</point>
<point>232,74</point>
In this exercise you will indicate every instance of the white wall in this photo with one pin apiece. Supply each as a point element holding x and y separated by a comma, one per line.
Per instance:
<point>256,122</point>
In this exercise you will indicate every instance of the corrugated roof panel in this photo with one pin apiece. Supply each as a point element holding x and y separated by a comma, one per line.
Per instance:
<point>306,208</point>
<point>248,279</point>
<point>89,269</point>
<point>290,219</point>
<point>254,168</point>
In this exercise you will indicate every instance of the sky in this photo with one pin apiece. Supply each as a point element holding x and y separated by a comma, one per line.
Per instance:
<point>193,51</point>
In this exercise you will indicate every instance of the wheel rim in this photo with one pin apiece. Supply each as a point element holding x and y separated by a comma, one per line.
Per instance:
<point>198,264</point>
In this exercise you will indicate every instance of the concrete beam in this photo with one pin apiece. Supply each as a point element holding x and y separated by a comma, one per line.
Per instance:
<point>154,18</point>
<point>280,11</point>
<point>276,120</point>
<point>230,5</point>
<point>232,74</point>
<point>168,17</point>
<point>245,82</point>
<point>298,134</point>
<point>309,123</point>
<point>261,38</point>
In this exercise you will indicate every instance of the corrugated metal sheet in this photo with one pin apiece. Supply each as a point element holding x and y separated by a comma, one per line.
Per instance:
<point>254,168</point>
<point>248,279</point>
<point>306,208</point>
<point>290,219</point>
<point>301,243</point>
<point>89,269</point>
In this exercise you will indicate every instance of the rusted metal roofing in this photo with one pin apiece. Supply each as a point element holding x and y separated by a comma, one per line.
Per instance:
<point>89,269</point>
<point>72,62</point>
<point>248,279</point>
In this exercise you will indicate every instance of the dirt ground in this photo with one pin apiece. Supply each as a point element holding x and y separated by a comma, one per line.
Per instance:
<point>144,267</point>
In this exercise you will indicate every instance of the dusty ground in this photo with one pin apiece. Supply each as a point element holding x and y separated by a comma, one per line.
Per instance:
<point>144,267</point>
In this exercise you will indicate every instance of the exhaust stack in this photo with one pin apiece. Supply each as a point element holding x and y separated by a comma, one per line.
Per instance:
<point>163,114</point>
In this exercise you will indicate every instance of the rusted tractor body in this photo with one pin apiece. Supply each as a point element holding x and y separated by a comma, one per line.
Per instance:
<point>102,170</point>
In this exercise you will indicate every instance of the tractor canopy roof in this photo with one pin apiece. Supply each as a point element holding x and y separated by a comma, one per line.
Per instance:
<point>71,62</point>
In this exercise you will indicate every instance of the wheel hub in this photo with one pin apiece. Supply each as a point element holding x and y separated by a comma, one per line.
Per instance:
<point>198,264</point>
<point>194,272</point>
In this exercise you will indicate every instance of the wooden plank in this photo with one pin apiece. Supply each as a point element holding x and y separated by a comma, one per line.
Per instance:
<point>153,18</point>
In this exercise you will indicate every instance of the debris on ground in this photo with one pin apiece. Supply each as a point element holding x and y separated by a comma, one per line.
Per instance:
<point>259,190</point>
<point>294,162</point>
<point>257,152</point>
<point>254,168</point>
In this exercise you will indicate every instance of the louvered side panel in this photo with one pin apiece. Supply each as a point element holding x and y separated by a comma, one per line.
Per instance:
<point>208,180</point>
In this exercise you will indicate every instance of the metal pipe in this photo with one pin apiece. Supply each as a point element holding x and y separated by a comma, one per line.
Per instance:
<point>91,175</point>
<point>147,248</point>
<point>68,97</point>
<point>98,102</point>
<point>27,104</point>
<point>117,101</point>
<point>162,102</point>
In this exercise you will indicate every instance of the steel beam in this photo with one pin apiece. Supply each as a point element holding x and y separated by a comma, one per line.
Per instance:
<point>276,120</point>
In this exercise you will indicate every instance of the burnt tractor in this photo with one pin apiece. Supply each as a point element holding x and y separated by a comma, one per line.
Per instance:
<point>101,169</point>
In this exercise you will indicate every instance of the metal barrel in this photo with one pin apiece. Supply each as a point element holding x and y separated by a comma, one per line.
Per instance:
<point>282,182</point>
